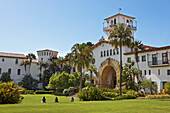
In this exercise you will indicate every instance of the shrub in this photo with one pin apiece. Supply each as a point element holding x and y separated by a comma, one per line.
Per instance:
<point>43,92</point>
<point>5,77</point>
<point>158,96</point>
<point>125,96</point>
<point>69,91</point>
<point>91,94</point>
<point>29,91</point>
<point>133,92</point>
<point>110,94</point>
<point>10,93</point>
<point>167,87</point>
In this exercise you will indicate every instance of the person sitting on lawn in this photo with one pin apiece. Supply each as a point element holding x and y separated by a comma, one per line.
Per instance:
<point>43,100</point>
<point>72,99</point>
<point>56,99</point>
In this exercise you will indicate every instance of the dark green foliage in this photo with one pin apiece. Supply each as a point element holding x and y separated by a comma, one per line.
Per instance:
<point>28,82</point>
<point>125,96</point>
<point>10,93</point>
<point>5,77</point>
<point>63,81</point>
<point>91,94</point>
<point>43,92</point>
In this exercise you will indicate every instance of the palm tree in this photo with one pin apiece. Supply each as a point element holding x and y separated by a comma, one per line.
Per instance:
<point>30,56</point>
<point>40,63</point>
<point>136,45</point>
<point>24,63</point>
<point>82,56</point>
<point>121,36</point>
<point>92,69</point>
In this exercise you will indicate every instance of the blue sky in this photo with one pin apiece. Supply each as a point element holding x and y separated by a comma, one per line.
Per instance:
<point>30,25</point>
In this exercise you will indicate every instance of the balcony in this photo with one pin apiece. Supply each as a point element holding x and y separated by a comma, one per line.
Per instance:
<point>158,63</point>
<point>111,26</point>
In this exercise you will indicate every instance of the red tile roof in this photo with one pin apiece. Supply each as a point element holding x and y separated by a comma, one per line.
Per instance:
<point>149,50</point>
<point>99,43</point>
<point>12,55</point>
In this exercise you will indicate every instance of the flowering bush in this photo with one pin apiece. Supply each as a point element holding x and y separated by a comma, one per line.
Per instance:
<point>10,93</point>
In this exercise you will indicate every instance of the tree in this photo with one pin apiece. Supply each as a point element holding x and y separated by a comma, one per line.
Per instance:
<point>28,82</point>
<point>5,77</point>
<point>167,87</point>
<point>121,36</point>
<point>63,81</point>
<point>129,74</point>
<point>24,63</point>
<point>30,57</point>
<point>92,69</point>
<point>82,56</point>
<point>136,45</point>
<point>148,84</point>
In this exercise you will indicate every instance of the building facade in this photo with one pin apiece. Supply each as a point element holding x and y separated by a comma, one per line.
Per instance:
<point>153,62</point>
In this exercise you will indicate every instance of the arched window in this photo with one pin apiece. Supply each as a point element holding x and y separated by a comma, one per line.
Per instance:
<point>47,53</point>
<point>104,53</point>
<point>107,52</point>
<point>110,51</point>
<point>101,53</point>
<point>127,21</point>
<point>114,52</point>
<point>114,21</point>
<point>44,53</point>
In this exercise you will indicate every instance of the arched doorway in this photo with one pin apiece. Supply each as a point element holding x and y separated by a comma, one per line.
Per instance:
<point>108,74</point>
<point>109,77</point>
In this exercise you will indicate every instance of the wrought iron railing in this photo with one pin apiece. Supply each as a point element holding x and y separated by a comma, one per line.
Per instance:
<point>158,63</point>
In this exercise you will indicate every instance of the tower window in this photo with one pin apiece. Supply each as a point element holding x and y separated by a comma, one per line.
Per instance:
<point>110,51</point>
<point>101,53</point>
<point>47,53</point>
<point>159,72</point>
<point>149,72</point>
<point>114,21</point>
<point>3,60</point>
<point>145,72</point>
<point>107,52</point>
<point>114,52</point>
<point>0,70</point>
<point>117,50</point>
<point>127,21</point>
<point>111,22</point>
<point>44,53</point>
<point>104,53</point>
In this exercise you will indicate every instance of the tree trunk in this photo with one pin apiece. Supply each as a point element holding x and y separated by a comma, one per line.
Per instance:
<point>81,79</point>
<point>90,78</point>
<point>120,67</point>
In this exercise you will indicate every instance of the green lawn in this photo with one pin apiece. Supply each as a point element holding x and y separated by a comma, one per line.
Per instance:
<point>32,104</point>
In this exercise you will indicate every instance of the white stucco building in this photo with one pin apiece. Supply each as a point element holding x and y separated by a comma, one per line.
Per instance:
<point>154,62</point>
<point>10,62</point>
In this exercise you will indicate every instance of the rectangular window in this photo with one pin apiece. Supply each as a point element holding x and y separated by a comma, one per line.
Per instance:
<point>145,72</point>
<point>154,59</point>
<point>117,50</point>
<point>138,59</point>
<point>9,70</point>
<point>3,60</point>
<point>164,58</point>
<point>0,70</point>
<point>159,72</point>
<point>168,72</point>
<point>144,58</point>
<point>16,61</point>
<point>149,72</point>
<point>19,71</point>
<point>107,52</point>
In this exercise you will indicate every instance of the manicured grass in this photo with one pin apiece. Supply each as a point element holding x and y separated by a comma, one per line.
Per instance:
<point>32,104</point>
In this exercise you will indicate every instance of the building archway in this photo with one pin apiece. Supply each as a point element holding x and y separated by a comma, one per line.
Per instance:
<point>108,74</point>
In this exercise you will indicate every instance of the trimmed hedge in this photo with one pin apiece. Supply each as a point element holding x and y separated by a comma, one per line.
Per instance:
<point>158,96</point>
<point>43,92</point>
<point>110,94</point>
<point>125,96</point>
